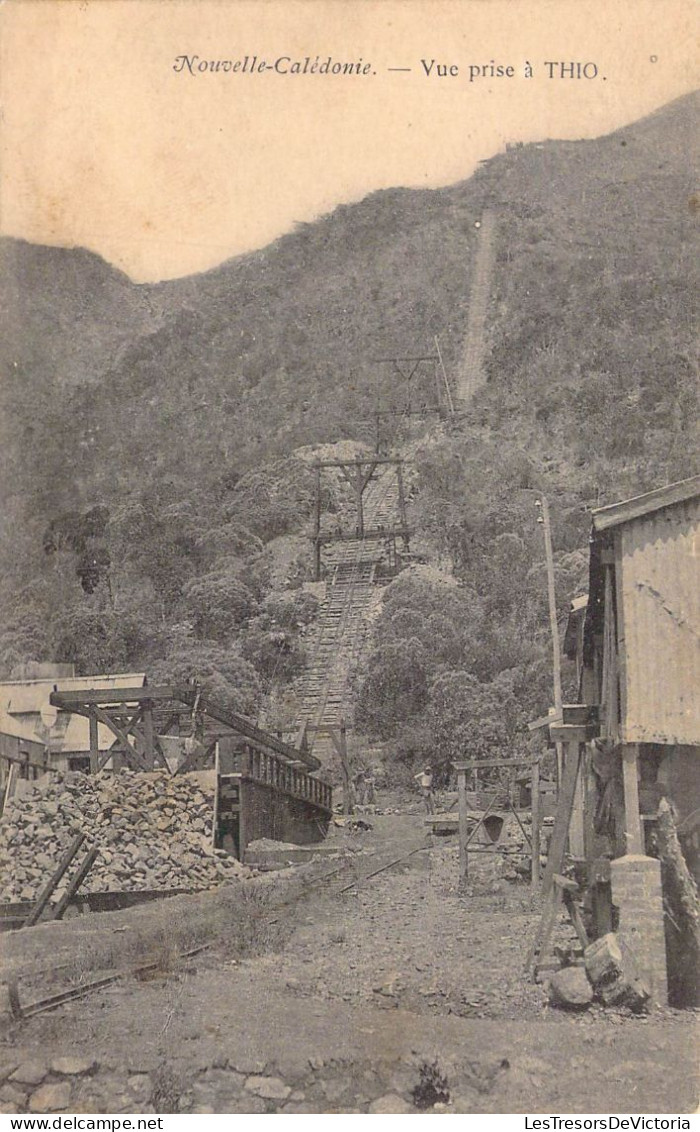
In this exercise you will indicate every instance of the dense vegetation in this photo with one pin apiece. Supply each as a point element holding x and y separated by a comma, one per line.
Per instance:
<point>148,432</point>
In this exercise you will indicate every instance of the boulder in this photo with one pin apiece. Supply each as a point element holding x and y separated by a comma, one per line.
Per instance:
<point>614,974</point>
<point>269,1088</point>
<point>570,989</point>
<point>73,1066</point>
<point>29,1073</point>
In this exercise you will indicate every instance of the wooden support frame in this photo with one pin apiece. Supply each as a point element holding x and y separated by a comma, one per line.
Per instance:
<point>463,768</point>
<point>51,884</point>
<point>190,695</point>
<point>358,473</point>
<point>74,884</point>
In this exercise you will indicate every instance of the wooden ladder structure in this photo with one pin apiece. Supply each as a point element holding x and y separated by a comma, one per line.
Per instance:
<point>555,887</point>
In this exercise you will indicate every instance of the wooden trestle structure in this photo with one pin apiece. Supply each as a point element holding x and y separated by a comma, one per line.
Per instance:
<point>359,473</point>
<point>265,786</point>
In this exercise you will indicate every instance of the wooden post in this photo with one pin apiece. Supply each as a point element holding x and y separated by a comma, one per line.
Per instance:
<point>94,740</point>
<point>633,821</point>
<point>359,492</point>
<point>565,802</point>
<point>402,504</point>
<point>448,391</point>
<point>463,835</point>
<point>535,805</point>
<point>149,745</point>
<point>217,783</point>
<point>576,828</point>
<point>554,627</point>
<point>317,523</point>
<point>45,894</point>
<point>342,747</point>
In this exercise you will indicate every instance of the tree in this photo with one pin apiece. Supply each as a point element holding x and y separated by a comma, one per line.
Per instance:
<point>223,673</point>
<point>394,689</point>
<point>470,719</point>
<point>217,604</point>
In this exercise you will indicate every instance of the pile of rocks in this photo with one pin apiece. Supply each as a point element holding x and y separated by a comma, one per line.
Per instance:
<point>151,830</point>
<point>609,973</point>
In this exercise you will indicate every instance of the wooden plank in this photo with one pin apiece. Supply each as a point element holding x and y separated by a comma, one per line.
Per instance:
<point>71,700</point>
<point>46,892</point>
<point>555,859</point>
<point>359,460</point>
<point>575,915</point>
<point>10,785</point>
<point>478,764</point>
<point>74,884</point>
<point>544,721</point>
<point>557,847</point>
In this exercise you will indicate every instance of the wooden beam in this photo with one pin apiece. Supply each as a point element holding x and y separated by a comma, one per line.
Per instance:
<point>69,700</point>
<point>74,884</point>
<point>370,533</point>
<point>535,810</point>
<point>94,742</point>
<point>463,836</point>
<point>46,892</point>
<point>479,763</point>
<point>562,820</point>
<point>543,721</point>
<point>148,735</point>
<point>633,822</point>
<point>359,460</point>
<point>190,694</point>
<point>125,746</point>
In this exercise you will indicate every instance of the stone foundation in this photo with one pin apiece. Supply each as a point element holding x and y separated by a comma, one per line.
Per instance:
<point>636,892</point>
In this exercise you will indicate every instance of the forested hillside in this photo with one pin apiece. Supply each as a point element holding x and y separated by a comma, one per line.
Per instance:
<point>148,432</point>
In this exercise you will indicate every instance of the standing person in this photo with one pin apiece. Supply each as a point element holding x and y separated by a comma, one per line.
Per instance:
<point>424,778</point>
<point>360,785</point>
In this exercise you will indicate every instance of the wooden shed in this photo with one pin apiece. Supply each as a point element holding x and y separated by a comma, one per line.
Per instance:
<point>636,643</point>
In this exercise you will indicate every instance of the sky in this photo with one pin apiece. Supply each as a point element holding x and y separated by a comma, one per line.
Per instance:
<point>108,142</point>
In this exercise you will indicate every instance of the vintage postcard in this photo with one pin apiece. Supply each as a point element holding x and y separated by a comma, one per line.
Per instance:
<point>349,730</point>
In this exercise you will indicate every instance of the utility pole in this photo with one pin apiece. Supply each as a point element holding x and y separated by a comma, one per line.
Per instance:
<point>543,518</point>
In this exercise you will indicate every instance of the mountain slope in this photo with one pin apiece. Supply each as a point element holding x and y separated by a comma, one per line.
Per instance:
<point>156,401</point>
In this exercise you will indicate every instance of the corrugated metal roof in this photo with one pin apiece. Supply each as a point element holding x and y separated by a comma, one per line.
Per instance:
<point>659,625</point>
<point>641,505</point>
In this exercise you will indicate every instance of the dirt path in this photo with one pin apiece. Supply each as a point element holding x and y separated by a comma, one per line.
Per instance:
<point>391,987</point>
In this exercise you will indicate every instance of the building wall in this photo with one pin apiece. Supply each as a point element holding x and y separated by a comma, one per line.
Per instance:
<point>11,745</point>
<point>659,626</point>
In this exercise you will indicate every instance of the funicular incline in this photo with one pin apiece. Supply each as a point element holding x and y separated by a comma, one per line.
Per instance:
<point>471,372</point>
<point>344,618</point>
<point>351,563</point>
